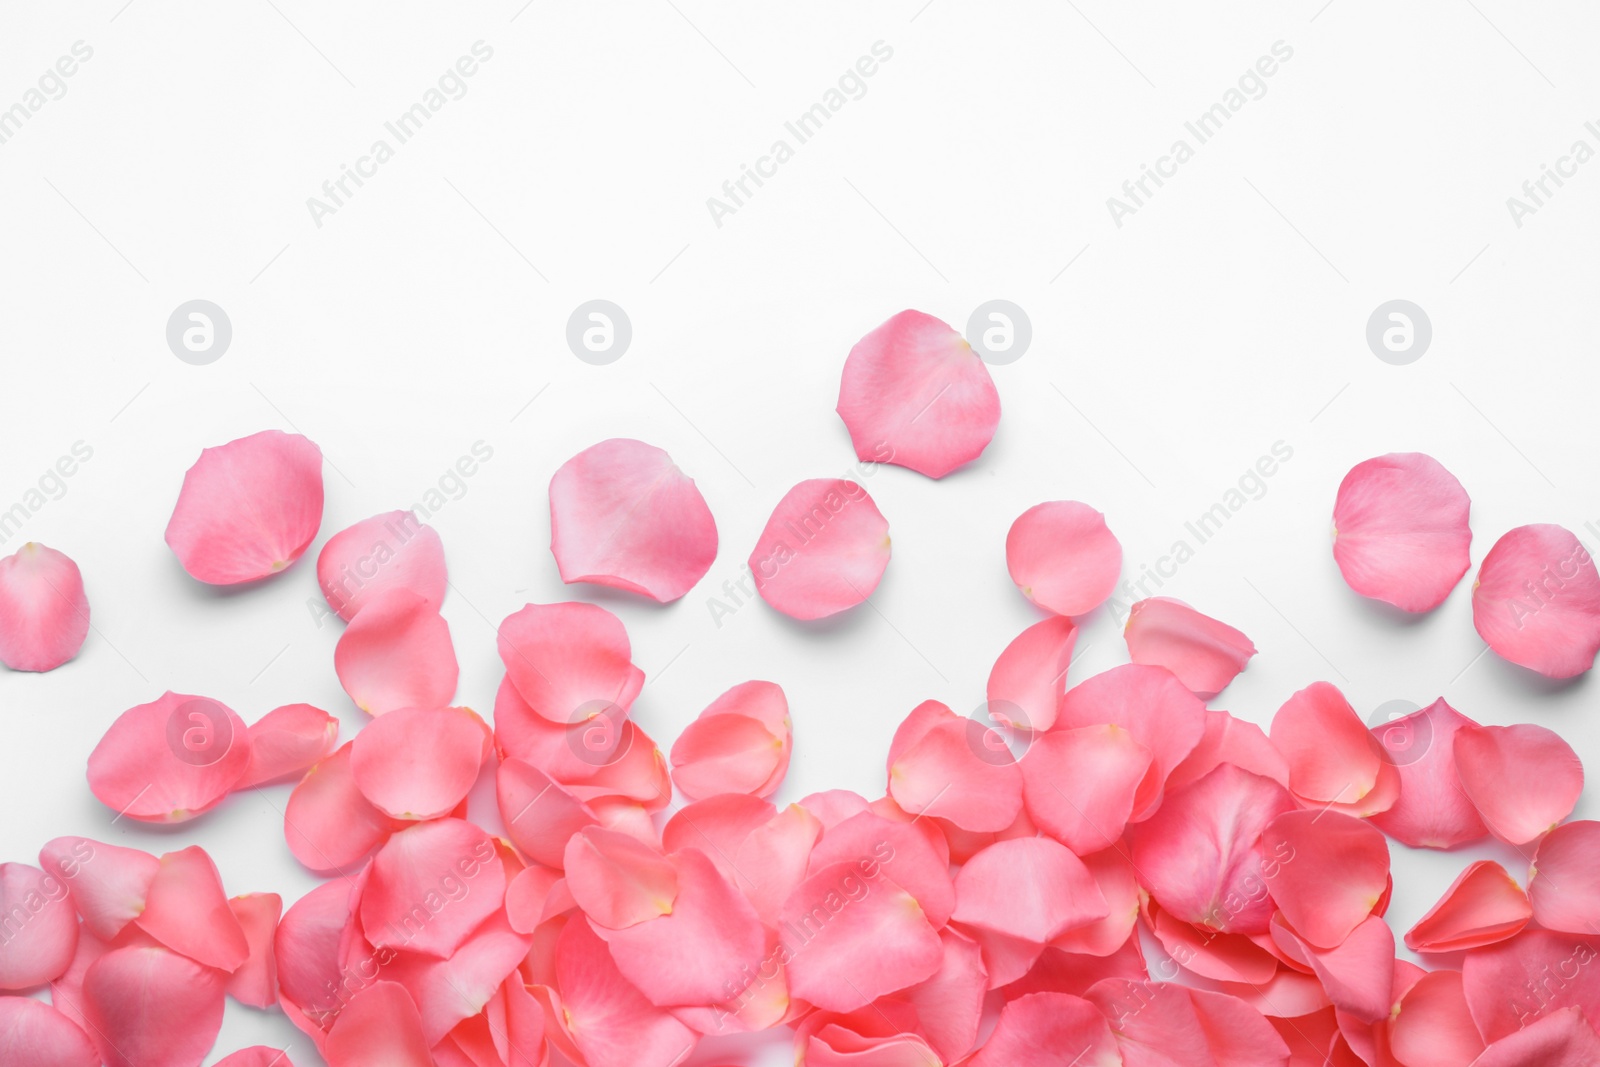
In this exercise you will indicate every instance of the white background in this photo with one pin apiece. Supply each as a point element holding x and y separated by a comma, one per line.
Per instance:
<point>1167,356</point>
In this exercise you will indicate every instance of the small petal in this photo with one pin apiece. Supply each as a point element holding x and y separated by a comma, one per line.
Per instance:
<point>379,1028</point>
<point>569,661</point>
<point>39,933</point>
<point>1063,558</point>
<point>1031,674</point>
<point>946,766</point>
<point>248,508</point>
<point>823,550</point>
<point>148,1007</point>
<point>388,551</point>
<point>170,760</point>
<point>1432,1025</point>
<point>1332,757</point>
<point>739,744</point>
<point>1152,705</point>
<point>914,393</point>
<point>255,983</point>
<point>1565,884</point>
<point>419,763</point>
<point>33,1034</point>
<point>1030,888</point>
<point>1537,601</point>
<point>622,514</point>
<point>450,991</point>
<point>1482,906</point>
<point>287,742</point>
<point>1205,654</point>
<point>1326,872</point>
<point>540,815</point>
<point>1400,530</point>
<point>1081,785</point>
<point>44,615</point>
<point>397,654</point>
<point>187,911</point>
<point>1049,1030</point>
<point>1524,779</point>
<point>432,858</point>
<point>1433,811</point>
<point>109,883</point>
<point>328,823</point>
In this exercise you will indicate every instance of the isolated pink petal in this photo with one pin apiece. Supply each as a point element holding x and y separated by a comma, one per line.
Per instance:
<point>1080,785</point>
<point>187,911</point>
<point>1204,653</point>
<point>149,1007</point>
<point>1152,705</point>
<point>1326,871</point>
<point>1031,888</point>
<point>108,882</point>
<point>1049,1030</point>
<point>954,768</point>
<point>569,661</point>
<point>1432,1025</point>
<point>1562,1039</point>
<point>618,880</point>
<point>1031,674</point>
<point>44,615</point>
<point>327,822</point>
<point>136,769</point>
<point>1537,973</point>
<point>1482,906</point>
<point>1433,811</point>
<point>622,514</point>
<point>33,1034</point>
<point>1400,530</point>
<point>1062,557</point>
<point>397,654</point>
<point>605,1016</point>
<point>1564,887</point>
<point>914,393</point>
<point>39,931</point>
<point>426,867</point>
<point>1537,601</point>
<point>1332,757</point>
<point>248,508</point>
<point>388,551</point>
<point>379,1028</point>
<point>739,744</point>
<point>418,763</point>
<point>1524,779</point>
<point>1231,740</point>
<point>288,741</point>
<point>823,550</point>
<point>255,983</point>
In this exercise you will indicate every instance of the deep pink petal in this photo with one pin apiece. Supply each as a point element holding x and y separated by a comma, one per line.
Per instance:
<point>1358,975</point>
<point>1536,973</point>
<point>914,393</point>
<point>950,1004</point>
<point>312,986</point>
<point>1562,1039</point>
<point>44,615</point>
<point>108,882</point>
<point>622,514</point>
<point>823,550</point>
<point>450,991</point>
<point>1537,601</point>
<point>171,759</point>
<point>148,1007</point>
<point>540,815</point>
<point>187,911</point>
<point>1433,810</point>
<point>1049,1030</point>
<point>1204,653</point>
<point>397,654</point>
<point>1400,530</point>
<point>248,508</point>
<point>287,742</point>
<point>1482,906</point>
<point>605,1016</point>
<point>1206,952</point>
<point>1155,1023</point>
<point>430,887</point>
<point>388,551</point>
<point>1432,1026</point>
<point>328,823</point>
<point>1327,872</point>
<point>1565,884</point>
<point>1032,888</point>
<point>379,1028</point>
<point>1231,740</point>
<point>570,661</point>
<point>1523,779</point>
<point>38,927</point>
<point>741,743</point>
<point>33,1034</point>
<point>1063,558</point>
<point>418,763</point>
<point>1081,784</point>
<point>1031,674</point>
<point>1152,705</point>
<point>913,855</point>
<point>618,880</point>
<point>1332,757</point>
<point>956,769</point>
<point>256,981</point>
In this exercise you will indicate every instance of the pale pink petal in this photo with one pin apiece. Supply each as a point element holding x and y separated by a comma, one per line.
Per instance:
<point>618,880</point>
<point>540,815</point>
<point>418,763</point>
<point>380,1027</point>
<point>1562,1039</point>
<point>954,768</point>
<point>38,927</point>
<point>1031,674</point>
<point>1327,872</point>
<point>287,742</point>
<point>1536,973</point>
<point>430,887</point>
<point>1080,785</point>
<point>257,1056</point>
<point>1433,811</point>
<point>1331,755</point>
<point>950,1004</point>
<point>1400,530</point>
<point>44,615</point>
<point>569,662</point>
<point>1205,654</point>
<point>327,822</point>
<point>1358,975</point>
<point>109,883</point>
<point>312,986</point>
<point>1118,884</point>
<point>1152,705</point>
<point>739,744</point>
<point>914,393</point>
<point>1432,1026</point>
<point>834,806</point>
<point>771,860</point>
<point>1063,558</point>
<point>248,508</point>
<point>622,514</point>
<point>608,1020</point>
<point>1565,884</point>
<point>388,551</point>
<point>1049,1030</point>
<point>256,981</point>
<point>1524,779</point>
<point>148,1007</point>
<point>1032,888</point>
<point>1482,906</point>
<point>1202,856</point>
<point>170,760</point>
<point>912,855</point>
<point>1231,740</point>
<point>33,1034</point>
<point>66,991</point>
<point>397,654</point>
<point>449,991</point>
<point>881,1035</point>
<point>1236,1033</point>
<point>823,550</point>
<point>1537,601</point>
<point>187,911</point>
<point>1155,1023</point>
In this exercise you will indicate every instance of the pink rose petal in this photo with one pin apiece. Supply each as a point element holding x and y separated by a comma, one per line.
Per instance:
<point>187,911</point>
<point>1432,1025</point>
<point>618,880</point>
<point>1332,757</point>
<point>44,615</point>
<point>1062,557</point>
<point>328,823</point>
<point>149,1007</point>
<point>739,744</point>
<point>569,662</point>
<point>109,883</point>
<point>388,551</point>
<point>1524,779</point>
<point>419,763</point>
<point>423,867</point>
<point>1512,983</point>
<point>397,654</point>
<point>1537,601</point>
<point>170,760</point>
<point>1030,888</point>
<point>379,1028</point>
<point>1049,1030</point>
<point>1326,872</point>
<point>823,550</point>
<point>1565,884</point>
<point>1031,674</point>
<point>33,1034</point>
<point>255,983</point>
<point>607,1019</point>
<point>1562,1039</point>
<point>312,988</point>
<point>1205,654</point>
<point>1080,785</point>
<point>39,932</point>
<point>1400,530</point>
<point>1482,906</point>
<point>944,765</point>
<point>1433,811</point>
<point>287,742</point>
<point>1152,705</point>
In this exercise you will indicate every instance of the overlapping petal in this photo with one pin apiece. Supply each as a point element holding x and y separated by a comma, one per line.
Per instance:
<point>287,742</point>
<point>1564,886</point>
<point>171,759</point>
<point>954,768</point>
<point>397,653</point>
<point>741,743</point>
<point>1205,653</point>
<point>1482,906</point>
<point>1523,779</point>
<point>419,763</point>
<point>569,662</point>
<point>1031,673</point>
<point>1433,810</point>
<point>388,551</point>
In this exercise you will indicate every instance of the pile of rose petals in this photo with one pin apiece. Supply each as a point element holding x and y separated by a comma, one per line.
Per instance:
<point>1091,871</point>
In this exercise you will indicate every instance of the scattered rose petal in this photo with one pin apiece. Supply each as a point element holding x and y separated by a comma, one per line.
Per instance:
<point>40,930</point>
<point>44,615</point>
<point>1564,1038</point>
<point>1565,884</point>
<point>1400,530</point>
<point>187,911</point>
<point>1524,779</point>
<point>170,760</point>
<point>1205,654</point>
<point>109,883</point>
<point>1432,1025</point>
<point>328,823</point>
<point>149,1007</point>
<point>1433,811</point>
<point>569,662</point>
<point>1537,601</point>
<point>605,1017</point>
<point>1537,973</point>
<point>1031,674</point>
<point>1483,905</point>
<point>397,654</point>
<point>1030,888</point>
<point>1152,705</point>
<point>388,551</point>
<point>618,880</point>
<point>380,1027</point>
<point>955,769</point>
<point>419,763</point>
<point>739,744</point>
<point>1080,785</point>
<point>1326,871</point>
<point>1332,757</point>
<point>287,742</point>
<point>33,1034</point>
<point>1063,558</point>
<point>419,866</point>
<point>823,550</point>
<point>1049,1030</point>
<point>255,983</point>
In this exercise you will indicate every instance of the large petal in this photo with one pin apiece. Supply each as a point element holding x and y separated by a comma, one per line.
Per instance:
<point>44,615</point>
<point>1332,757</point>
<point>379,1028</point>
<point>618,880</point>
<point>605,1016</point>
<point>1536,973</point>
<point>1537,601</point>
<point>171,759</point>
<point>1204,653</point>
<point>187,911</point>
<point>419,763</point>
<point>1031,674</point>
<point>1400,530</point>
<point>397,654</point>
<point>1483,905</point>
<point>914,393</point>
<point>38,928</point>
<point>328,823</point>
<point>1062,557</point>
<point>148,1007</point>
<point>287,742</point>
<point>33,1034</point>
<point>823,550</point>
<point>1565,884</point>
<point>430,887</point>
<point>256,981</point>
<point>954,768</point>
<point>741,743</point>
<point>1433,811</point>
<point>108,882</point>
<point>1523,779</point>
<point>1432,1025</point>
<point>1562,1039</point>
<point>622,514</point>
<point>1327,874</point>
<point>248,508</point>
<point>388,551</point>
<point>1030,888</point>
<point>570,661</point>
<point>1081,784</point>
<point>1152,705</point>
<point>1049,1030</point>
